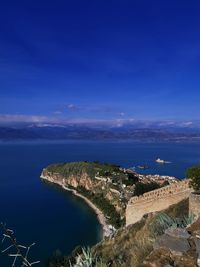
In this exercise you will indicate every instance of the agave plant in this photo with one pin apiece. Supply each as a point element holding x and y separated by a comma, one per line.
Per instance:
<point>164,222</point>
<point>86,259</point>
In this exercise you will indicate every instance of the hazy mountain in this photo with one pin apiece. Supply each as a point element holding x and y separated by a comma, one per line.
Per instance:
<point>100,132</point>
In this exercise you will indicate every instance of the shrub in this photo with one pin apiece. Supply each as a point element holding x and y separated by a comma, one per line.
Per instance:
<point>193,174</point>
<point>141,188</point>
<point>104,205</point>
<point>165,221</point>
<point>86,259</point>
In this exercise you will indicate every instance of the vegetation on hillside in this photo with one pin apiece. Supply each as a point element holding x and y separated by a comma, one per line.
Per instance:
<point>165,221</point>
<point>141,188</point>
<point>193,174</point>
<point>119,185</point>
<point>113,217</point>
<point>130,245</point>
<point>91,168</point>
<point>97,195</point>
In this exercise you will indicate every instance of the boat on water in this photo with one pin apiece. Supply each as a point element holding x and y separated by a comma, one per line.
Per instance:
<point>143,167</point>
<point>161,161</point>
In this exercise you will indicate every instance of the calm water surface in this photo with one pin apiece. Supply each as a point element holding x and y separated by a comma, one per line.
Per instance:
<point>55,219</point>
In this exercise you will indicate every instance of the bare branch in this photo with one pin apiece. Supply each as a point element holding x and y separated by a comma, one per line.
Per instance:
<point>23,256</point>
<point>7,248</point>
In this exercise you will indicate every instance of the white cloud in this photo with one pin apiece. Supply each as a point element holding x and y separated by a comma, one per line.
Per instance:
<point>188,123</point>
<point>8,118</point>
<point>57,112</point>
<point>61,120</point>
<point>122,114</point>
<point>72,106</point>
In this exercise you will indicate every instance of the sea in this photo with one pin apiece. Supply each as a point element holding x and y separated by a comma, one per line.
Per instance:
<point>55,220</point>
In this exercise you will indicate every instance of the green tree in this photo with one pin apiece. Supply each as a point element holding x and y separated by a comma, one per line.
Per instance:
<point>141,188</point>
<point>193,174</point>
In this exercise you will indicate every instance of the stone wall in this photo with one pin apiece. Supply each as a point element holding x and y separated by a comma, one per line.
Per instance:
<point>194,204</point>
<point>156,200</point>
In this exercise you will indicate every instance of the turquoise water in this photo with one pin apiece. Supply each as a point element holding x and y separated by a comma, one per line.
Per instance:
<point>55,219</point>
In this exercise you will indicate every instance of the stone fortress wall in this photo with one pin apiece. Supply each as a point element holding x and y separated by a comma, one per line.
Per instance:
<point>156,200</point>
<point>161,192</point>
<point>194,203</point>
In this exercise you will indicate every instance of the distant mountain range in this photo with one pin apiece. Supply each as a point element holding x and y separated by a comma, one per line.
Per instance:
<point>98,132</point>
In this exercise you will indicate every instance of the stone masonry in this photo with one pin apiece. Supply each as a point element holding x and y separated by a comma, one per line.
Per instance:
<point>156,200</point>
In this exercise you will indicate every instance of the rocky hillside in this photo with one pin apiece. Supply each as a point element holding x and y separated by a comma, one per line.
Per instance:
<point>131,245</point>
<point>148,243</point>
<point>153,241</point>
<point>103,184</point>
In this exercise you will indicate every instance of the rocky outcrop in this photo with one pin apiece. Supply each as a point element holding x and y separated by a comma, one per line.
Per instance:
<point>177,247</point>
<point>175,239</point>
<point>74,181</point>
<point>79,177</point>
<point>85,181</point>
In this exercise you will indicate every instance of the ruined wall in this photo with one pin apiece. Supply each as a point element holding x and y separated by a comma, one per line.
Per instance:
<point>156,200</point>
<point>194,204</point>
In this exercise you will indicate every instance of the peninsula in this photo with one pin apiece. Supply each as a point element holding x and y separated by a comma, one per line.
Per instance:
<point>107,188</point>
<point>100,185</point>
<point>131,216</point>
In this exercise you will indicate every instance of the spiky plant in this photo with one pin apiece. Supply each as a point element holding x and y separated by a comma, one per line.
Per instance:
<point>164,222</point>
<point>86,259</point>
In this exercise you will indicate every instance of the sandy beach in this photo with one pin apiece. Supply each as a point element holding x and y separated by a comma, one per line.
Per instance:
<point>99,213</point>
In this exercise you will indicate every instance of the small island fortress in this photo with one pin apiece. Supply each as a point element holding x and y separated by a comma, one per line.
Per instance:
<point>162,161</point>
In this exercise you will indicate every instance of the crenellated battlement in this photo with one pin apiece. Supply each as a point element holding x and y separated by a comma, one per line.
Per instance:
<point>156,200</point>
<point>161,192</point>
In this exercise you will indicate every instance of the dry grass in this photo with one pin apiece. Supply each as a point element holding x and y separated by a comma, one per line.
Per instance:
<point>131,245</point>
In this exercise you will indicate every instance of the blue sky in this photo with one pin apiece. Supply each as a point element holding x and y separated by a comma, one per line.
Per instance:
<point>99,60</point>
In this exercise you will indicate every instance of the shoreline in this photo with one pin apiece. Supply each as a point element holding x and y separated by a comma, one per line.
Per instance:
<point>100,216</point>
